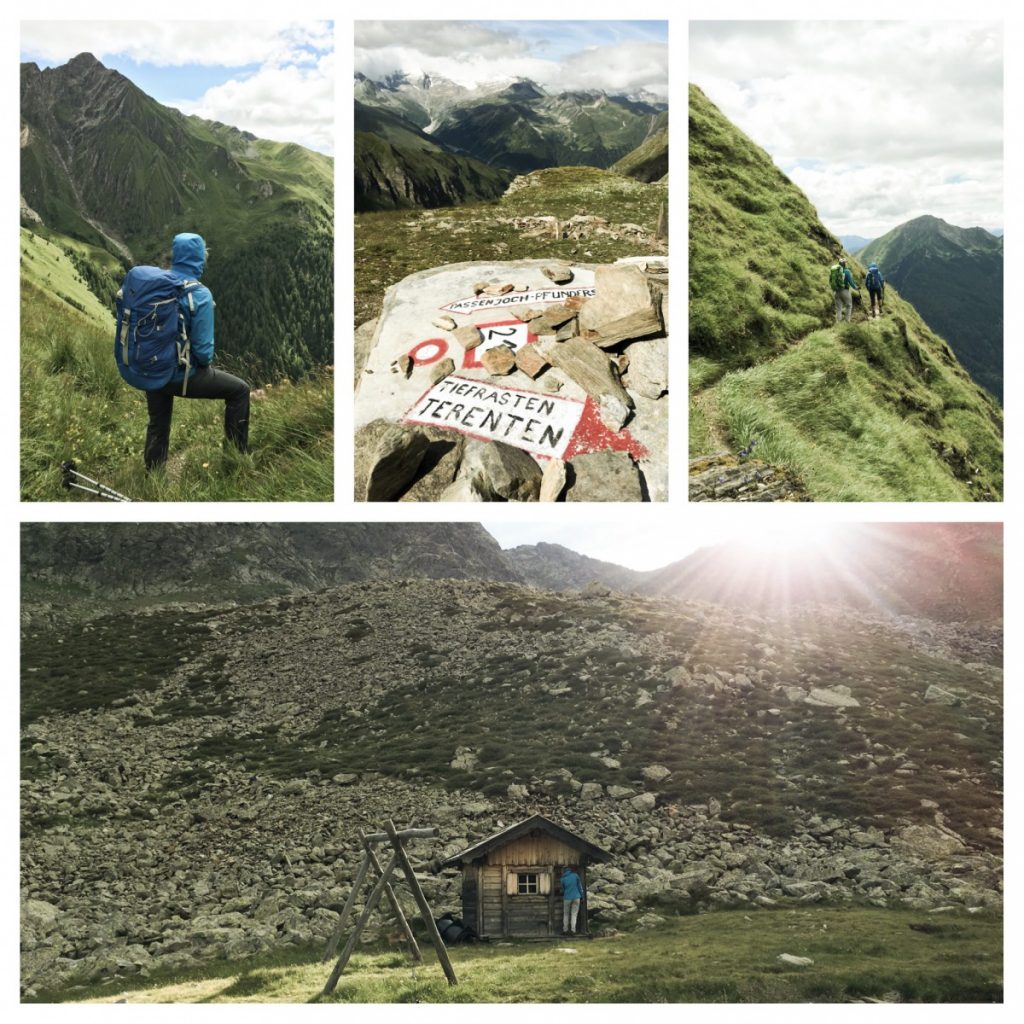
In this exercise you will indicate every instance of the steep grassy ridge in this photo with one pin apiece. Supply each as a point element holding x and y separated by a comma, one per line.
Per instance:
<point>876,410</point>
<point>74,405</point>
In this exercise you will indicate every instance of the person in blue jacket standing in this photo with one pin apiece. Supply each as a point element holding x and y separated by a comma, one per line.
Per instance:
<point>188,258</point>
<point>572,893</point>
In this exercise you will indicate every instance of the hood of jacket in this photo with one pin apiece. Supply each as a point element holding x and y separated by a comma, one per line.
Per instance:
<point>188,254</point>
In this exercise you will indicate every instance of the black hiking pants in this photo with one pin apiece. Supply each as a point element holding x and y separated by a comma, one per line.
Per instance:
<point>205,383</point>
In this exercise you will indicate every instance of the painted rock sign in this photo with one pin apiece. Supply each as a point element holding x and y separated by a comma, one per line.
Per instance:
<point>512,334</point>
<point>428,367</point>
<point>538,423</point>
<point>531,297</point>
<point>406,328</point>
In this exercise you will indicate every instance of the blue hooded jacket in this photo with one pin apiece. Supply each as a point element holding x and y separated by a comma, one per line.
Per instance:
<point>188,258</point>
<point>881,280</point>
<point>572,887</point>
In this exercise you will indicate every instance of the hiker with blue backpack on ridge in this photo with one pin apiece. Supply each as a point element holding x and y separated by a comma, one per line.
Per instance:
<point>841,281</point>
<point>876,289</point>
<point>164,346</point>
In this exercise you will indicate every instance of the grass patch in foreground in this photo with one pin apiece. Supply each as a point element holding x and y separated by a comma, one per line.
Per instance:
<point>858,953</point>
<point>74,405</point>
<point>852,430</point>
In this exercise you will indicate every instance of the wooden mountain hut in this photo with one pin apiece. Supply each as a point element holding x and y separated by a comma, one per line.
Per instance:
<point>510,881</point>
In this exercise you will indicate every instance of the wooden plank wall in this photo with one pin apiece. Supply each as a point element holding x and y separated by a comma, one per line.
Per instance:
<point>533,850</point>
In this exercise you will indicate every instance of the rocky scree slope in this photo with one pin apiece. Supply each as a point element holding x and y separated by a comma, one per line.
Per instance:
<point>873,410</point>
<point>104,164</point>
<point>954,278</point>
<point>209,806</point>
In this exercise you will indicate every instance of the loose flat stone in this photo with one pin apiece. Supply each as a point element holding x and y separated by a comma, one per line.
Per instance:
<point>553,480</point>
<point>441,370</point>
<point>445,323</point>
<point>593,371</point>
<point>498,362</point>
<point>469,336</point>
<point>647,370</point>
<point>625,307</point>
<point>530,360</point>
<point>558,274</point>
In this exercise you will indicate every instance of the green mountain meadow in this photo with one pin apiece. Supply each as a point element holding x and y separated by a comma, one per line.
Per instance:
<point>869,411</point>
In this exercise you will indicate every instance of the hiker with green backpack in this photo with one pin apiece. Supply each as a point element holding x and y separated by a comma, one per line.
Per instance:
<point>163,346</point>
<point>841,281</point>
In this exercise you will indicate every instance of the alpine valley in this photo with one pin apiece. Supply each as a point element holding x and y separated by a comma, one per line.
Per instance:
<point>109,173</point>
<point>445,173</point>
<point>786,756</point>
<point>108,177</point>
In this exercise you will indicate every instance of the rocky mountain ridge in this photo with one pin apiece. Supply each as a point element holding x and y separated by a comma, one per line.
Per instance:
<point>938,572</point>
<point>954,278</point>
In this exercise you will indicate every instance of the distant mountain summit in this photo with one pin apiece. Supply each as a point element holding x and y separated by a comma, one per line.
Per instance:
<point>109,168</point>
<point>954,278</point>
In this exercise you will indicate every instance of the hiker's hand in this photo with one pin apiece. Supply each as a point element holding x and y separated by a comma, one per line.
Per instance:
<point>258,394</point>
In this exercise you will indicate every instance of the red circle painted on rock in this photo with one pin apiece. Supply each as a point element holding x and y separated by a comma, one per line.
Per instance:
<point>439,343</point>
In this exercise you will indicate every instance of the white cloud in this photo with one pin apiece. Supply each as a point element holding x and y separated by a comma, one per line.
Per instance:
<point>290,103</point>
<point>472,55</point>
<point>895,118</point>
<point>437,38</point>
<point>174,43</point>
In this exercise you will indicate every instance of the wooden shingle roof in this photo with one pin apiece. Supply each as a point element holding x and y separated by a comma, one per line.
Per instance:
<point>522,828</point>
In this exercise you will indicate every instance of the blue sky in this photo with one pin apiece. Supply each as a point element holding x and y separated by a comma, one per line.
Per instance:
<point>614,56</point>
<point>275,79</point>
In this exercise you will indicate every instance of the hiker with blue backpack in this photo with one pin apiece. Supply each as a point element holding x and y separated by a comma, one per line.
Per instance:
<point>876,289</point>
<point>841,282</point>
<point>164,346</point>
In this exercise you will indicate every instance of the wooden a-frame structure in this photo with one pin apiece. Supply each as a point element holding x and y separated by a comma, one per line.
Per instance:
<point>383,887</point>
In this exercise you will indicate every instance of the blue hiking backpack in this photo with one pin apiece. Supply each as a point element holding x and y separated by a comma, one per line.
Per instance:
<point>151,336</point>
<point>874,280</point>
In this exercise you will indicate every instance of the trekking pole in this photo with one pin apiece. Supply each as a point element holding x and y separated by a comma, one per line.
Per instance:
<point>100,490</point>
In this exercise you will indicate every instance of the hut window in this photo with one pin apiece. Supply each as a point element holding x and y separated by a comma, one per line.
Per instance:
<point>528,883</point>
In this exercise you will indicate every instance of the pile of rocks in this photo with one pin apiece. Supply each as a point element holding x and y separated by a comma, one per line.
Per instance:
<point>608,349</point>
<point>722,476</point>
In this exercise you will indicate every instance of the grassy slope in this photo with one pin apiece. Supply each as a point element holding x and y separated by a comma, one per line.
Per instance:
<point>879,411</point>
<point>391,245</point>
<point>859,954</point>
<point>74,405</point>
